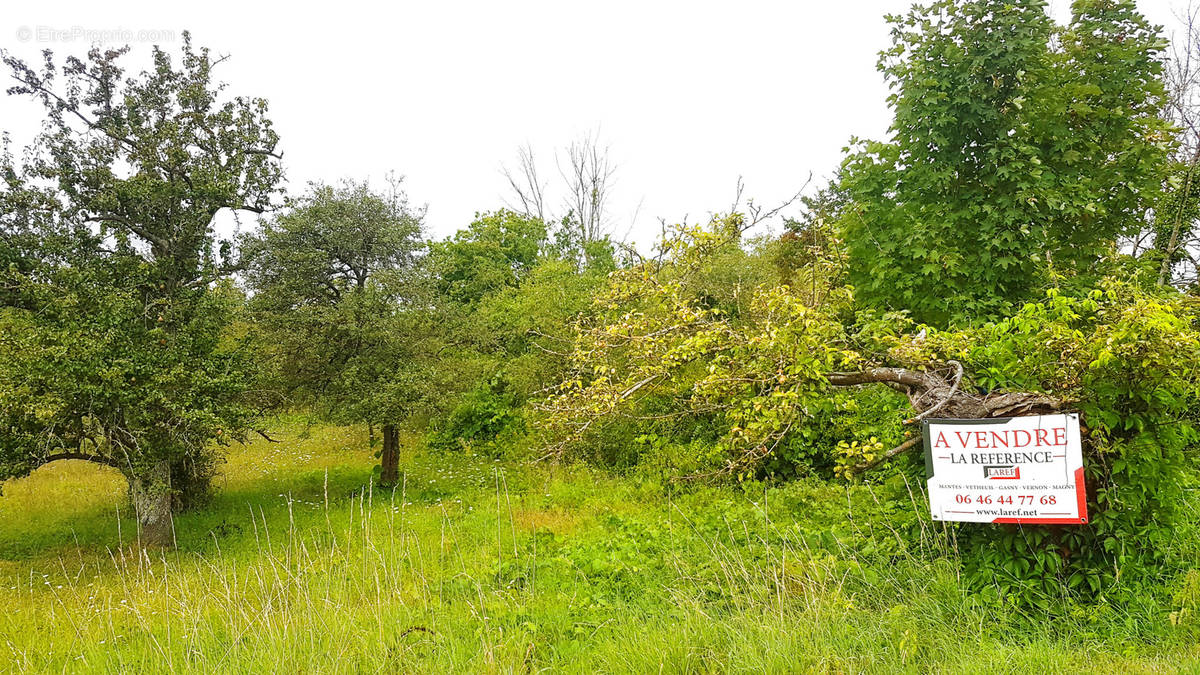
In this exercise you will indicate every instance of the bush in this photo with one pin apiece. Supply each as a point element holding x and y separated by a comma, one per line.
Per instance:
<point>482,414</point>
<point>1126,360</point>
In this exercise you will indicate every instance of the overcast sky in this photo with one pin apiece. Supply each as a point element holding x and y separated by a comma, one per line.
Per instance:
<point>688,96</point>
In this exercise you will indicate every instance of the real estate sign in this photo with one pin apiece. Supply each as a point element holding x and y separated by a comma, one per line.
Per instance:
<point>1006,470</point>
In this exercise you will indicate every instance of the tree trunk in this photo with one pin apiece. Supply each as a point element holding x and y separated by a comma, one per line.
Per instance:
<point>938,391</point>
<point>151,495</point>
<point>1164,273</point>
<point>389,458</point>
<point>931,391</point>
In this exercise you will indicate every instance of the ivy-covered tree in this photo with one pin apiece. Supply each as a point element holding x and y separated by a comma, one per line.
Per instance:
<point>1020,151</point>
<point>114,344</point>
<point>338,291</point>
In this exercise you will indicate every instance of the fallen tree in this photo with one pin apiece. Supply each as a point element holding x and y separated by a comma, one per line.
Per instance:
<point>930,392</point>
<point>761,362</point>
<point>762,376</point>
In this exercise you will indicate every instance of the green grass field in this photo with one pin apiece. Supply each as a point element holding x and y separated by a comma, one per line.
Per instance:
<point>475,565</point>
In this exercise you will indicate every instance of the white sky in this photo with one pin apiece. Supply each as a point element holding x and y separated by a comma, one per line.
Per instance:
<point>687,95</point>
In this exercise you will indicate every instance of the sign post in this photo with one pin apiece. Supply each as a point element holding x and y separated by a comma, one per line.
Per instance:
<point>1006,470</point>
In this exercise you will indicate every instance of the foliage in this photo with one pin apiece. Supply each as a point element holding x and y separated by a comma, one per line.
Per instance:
<point>340,300</point>
<point>481,415</point>
<point>981,239</point>
<point>703,390</point>
<point>477,565</point>
<point>349,324</point>
<point>1127,360</point>
<point>115,344</point>
<point>754,361</point>
<point>1177,209</point>
<point>509,298</point>
<point>495,251</point>
<point>527,327</point>
<point>1020,151</point>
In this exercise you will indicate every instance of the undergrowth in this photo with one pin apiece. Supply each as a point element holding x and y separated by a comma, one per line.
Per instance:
<point>474,564</point>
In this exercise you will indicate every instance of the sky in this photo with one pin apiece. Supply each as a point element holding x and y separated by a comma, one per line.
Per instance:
<point>686,96</point>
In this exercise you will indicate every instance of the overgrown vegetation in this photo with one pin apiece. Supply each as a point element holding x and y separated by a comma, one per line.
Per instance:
<point>476,565</point>
<point>594,455</point>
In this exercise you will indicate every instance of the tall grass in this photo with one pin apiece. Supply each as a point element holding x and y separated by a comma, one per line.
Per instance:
<point>301,565</point>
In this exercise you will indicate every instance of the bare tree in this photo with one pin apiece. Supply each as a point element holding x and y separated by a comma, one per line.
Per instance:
<point>587,179</point>
<point>527,187</point>
<point>1182,77</point>
<point>588,176</point>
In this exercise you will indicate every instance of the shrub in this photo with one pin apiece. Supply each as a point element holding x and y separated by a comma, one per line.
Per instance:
<point>482,414</point>
<point>1126,359</point>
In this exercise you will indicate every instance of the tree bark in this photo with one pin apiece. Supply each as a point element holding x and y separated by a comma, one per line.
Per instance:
<point>928,389</point>
<point>931,392</point>
<point>151,496</point>
<point>1164,273</point>
<point>389,458</point>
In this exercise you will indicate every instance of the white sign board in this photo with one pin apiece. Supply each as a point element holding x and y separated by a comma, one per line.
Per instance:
<point>1006,470</point>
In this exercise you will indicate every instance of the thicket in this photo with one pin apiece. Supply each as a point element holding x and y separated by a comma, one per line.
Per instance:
<point>775,380</point>
<point>976,264</point>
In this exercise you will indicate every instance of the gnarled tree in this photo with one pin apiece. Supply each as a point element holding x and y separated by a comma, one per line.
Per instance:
<point>114,345</point>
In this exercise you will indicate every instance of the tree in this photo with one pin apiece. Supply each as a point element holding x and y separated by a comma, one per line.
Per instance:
<point>495,251</point>
<point>338,290</point>
<point>587,179</point>
<point>588,176</point>
<point>1020,151</point>
<point>509,301</point>
<point>1175,235</point>
<point>115,345</point>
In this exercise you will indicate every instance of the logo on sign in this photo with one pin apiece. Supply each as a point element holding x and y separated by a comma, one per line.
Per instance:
<point>1002,472</point>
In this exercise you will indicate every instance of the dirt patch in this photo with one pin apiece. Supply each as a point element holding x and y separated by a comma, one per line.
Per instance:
<point>554,520</point>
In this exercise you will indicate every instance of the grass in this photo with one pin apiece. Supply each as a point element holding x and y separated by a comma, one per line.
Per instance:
<point>475,565</point>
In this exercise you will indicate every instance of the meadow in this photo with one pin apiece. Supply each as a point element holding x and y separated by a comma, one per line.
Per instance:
<point>480,565</point>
